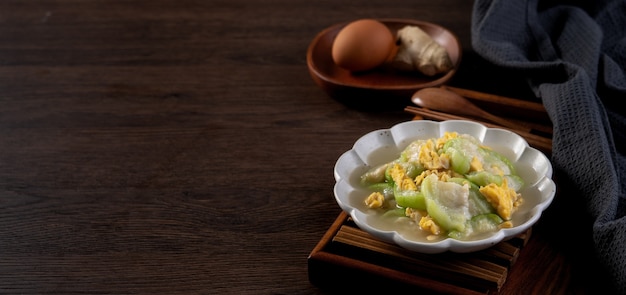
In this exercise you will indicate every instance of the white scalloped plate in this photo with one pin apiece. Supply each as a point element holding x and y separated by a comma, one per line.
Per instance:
<point>381,146</point>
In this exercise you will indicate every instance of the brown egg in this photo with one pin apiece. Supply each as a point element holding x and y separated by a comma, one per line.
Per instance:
<point>362,45</point>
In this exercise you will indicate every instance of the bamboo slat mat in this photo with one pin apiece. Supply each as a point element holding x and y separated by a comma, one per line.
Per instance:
<point>346,251</point>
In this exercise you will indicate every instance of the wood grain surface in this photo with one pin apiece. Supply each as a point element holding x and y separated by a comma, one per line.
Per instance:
<point>181,147</point>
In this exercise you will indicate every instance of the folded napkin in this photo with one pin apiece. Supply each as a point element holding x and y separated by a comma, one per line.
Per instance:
<point>574,56</point>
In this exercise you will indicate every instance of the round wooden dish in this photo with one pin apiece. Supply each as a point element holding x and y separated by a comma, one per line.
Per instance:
<point>381,84</point>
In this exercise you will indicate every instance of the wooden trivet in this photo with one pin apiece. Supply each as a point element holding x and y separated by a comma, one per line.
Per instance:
<point>349,259</point>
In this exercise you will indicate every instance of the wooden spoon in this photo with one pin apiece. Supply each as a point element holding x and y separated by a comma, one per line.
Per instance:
<point>446,101</point>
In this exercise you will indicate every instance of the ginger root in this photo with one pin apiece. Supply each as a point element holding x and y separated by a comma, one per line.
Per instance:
<point>417,51</point>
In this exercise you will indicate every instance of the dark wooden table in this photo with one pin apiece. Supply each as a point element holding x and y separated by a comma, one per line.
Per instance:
<point>161,147</point>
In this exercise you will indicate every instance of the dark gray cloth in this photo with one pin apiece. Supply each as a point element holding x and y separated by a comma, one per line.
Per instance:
<point>574,56</point>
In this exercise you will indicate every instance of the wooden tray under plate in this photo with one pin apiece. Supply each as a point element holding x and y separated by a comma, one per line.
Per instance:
<point>349,259</point>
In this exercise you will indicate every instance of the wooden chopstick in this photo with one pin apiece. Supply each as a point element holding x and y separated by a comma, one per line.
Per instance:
<point>541,143</point>
<point>497,99</point>
<point>520,106</point>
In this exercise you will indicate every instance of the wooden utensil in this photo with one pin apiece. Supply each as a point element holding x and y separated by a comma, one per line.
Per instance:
<point>439,99</point>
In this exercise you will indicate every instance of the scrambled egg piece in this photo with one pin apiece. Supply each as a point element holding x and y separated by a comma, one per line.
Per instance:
<point>412,213</point>
<point>375,200</point>
<point>503,198</point>
<point>429,157</point>
<point>428,224</point>
<point>424,220</point>
<point>442,175</point>
<point>476,165</point>
<point>398,174</point>
<point>506,224</point>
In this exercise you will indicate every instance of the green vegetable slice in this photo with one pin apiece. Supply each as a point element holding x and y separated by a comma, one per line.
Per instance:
<point>410,199</point>
<point>479,224</point>
<point>459,162</point>
<point>477,202</point>
<point>496,163</point>
<point>446,202</point>
<point>396,212</point>
<point>484,178</point>
<point>386,188</point>
<point>461,151</point>
<point>485,223</point>
<point>374,175</point>
<point>412,170</point>
<point>411,153</point>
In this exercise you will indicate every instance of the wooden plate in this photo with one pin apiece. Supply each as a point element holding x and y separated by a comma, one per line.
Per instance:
<point>380,84</point>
